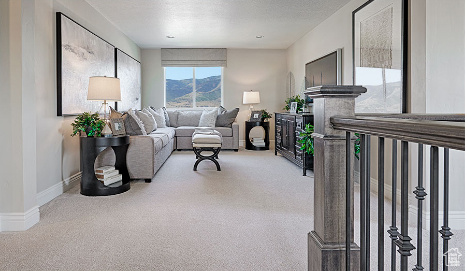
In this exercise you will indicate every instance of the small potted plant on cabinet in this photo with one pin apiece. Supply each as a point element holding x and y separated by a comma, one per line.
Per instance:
<point>89,124</point>
<point>300,102</point>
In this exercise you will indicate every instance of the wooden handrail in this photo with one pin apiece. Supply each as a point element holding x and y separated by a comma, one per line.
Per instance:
<point>446,131</point>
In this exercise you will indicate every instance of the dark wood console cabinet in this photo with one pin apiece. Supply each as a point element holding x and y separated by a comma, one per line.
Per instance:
<point>288,128</point>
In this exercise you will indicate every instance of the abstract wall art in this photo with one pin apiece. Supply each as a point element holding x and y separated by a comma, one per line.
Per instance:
<point>379,56</point>
<point>80,55</point>
<point>129,72</point>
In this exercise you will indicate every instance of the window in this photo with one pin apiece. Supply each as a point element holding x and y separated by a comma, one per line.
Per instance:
<point>188,87</point>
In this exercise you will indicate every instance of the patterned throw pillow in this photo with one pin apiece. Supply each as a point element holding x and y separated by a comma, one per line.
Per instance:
<point>208,118</point>
<point>227,118</point>
<point>148,121</point>
<point>158,115</point>
<point>133,125</point>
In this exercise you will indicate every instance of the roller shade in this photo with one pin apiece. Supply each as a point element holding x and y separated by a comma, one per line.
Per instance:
<point>194,57</point>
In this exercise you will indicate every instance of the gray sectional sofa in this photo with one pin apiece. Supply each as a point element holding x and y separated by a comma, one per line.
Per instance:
<point>147,153</point>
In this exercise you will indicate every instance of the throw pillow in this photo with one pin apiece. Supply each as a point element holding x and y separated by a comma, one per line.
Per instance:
<point>221,110</point>
<point>166,115</point>
<point>173,117</point>
<point>158,115</point>
<point>208,118</point>
<point>114,114</point>
<point>227,118</point>
<point>133,125</point>
<point>148,121</point>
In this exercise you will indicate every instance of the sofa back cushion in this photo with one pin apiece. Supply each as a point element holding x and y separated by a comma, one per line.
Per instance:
<point>188,118</point>
<point>173,117</point>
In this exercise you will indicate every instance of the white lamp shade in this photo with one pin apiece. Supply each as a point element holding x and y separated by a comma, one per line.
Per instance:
<point>251,97</point>
<point>104,88</point>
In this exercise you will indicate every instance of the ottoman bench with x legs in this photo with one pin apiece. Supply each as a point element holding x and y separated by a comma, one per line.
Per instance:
<point>204,139</point>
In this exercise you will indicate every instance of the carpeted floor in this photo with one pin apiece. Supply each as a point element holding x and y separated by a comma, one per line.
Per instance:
<point>253,215</point>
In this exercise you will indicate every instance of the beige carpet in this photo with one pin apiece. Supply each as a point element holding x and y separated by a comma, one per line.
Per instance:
<point>253,215</point>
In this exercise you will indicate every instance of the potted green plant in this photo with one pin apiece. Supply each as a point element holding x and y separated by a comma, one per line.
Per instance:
<point>306,140</point>
<point>265,115</point>
<point>300,103</point>
<point>88,123</point>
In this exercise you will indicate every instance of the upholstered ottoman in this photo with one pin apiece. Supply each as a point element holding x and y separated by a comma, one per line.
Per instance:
<point>204,139</point>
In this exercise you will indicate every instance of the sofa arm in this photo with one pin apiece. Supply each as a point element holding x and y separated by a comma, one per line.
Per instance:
<point>140,157</point>
<point>235,135</point>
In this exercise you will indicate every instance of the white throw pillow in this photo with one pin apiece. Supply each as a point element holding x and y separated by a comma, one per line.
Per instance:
<point>148,121</point>
<point>208,118</point>
<point>158,115</point>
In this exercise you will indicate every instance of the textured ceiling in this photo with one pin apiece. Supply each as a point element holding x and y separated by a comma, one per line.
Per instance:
<point>216,23</point>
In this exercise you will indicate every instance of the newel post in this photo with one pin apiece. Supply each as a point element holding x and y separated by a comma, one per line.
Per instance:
<point>326,243</point>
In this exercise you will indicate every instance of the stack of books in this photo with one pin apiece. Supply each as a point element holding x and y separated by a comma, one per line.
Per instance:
<point>258,142</point>
<point>109,176</point>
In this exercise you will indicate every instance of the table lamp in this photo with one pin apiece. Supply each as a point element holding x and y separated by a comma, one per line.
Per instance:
<point>251,97</point>
<point>102,88</point>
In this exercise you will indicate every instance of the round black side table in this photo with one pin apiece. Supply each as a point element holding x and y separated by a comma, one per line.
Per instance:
<point>90,147</point>
<point>250,125</point>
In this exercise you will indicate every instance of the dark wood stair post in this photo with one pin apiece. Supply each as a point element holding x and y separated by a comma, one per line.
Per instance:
<point>327,242</point>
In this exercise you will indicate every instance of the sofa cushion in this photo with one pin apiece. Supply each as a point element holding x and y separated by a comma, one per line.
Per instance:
<point>173,117</point>
<point>189,118</point>
<point>226,118</point>
<point>158,115</point>
<point>164,137</point>
<point>170,131</point>
<point>133,125</point>
<point>148,120</point>
<point>187,131</point>
<point>208,118</point>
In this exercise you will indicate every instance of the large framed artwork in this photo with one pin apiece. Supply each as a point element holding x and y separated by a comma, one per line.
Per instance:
<point>380,55</point>
<point>128,70</point>
<point>80,55</point>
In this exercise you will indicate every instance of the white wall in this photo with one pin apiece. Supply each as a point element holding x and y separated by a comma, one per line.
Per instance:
<point>38,150</point>
<point>437,83</point>
<point>445,77</point>
<point>258,70</point>
<point>58,152</point>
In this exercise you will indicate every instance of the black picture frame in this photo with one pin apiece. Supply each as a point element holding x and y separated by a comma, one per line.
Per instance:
<point>71,82</point>
<point>255,116</point>
<point>117,126</point>
<point>388,89</point>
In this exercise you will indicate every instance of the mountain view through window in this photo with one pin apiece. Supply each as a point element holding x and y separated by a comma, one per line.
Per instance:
<point>188,87</point>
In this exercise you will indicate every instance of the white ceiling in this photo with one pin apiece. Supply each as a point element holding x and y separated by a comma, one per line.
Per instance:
<point>216,23</point>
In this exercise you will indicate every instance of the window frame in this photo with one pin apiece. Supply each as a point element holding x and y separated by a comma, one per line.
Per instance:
<point>194,90</point>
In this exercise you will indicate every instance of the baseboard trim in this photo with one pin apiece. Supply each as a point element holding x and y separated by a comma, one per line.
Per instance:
<point>57,189</point>
<point>19,221</point>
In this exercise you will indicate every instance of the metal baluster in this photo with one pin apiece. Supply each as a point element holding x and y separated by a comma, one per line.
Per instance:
<point>348,171</point>
<point>367,198</point>
<point>393,233</point>
<point>364,260</point>
<point>445,230</point>
<point>420,196</point>
<point>381,204</point>
<point>404,240</point>
<point>434,210</point>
